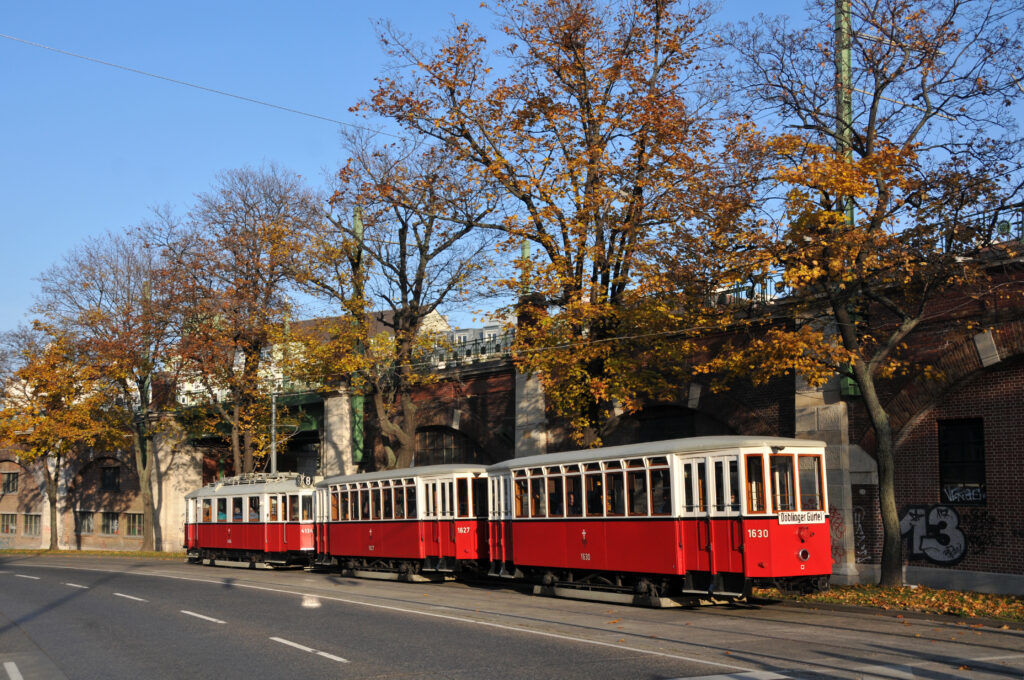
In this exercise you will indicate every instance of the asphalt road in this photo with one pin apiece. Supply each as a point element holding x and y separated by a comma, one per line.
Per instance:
<point>121,618</point>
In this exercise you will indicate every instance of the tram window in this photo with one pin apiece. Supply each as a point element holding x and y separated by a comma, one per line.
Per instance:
<point>222,509</point>
<point>388,507</point>
<point>614,493</point>
<point>307,507</point>
<point>637,492</point>
<point>660,461</point>
<point>810,482</point>
<point>410,501</point>
<point>335,505</point>
<point>399,501</point>
<point>755,484</point>
<point>480,497</point>
<point>293,507</point>
<point>726,490</point>
<point>272,509</point>
<point>702,496</point>
<point>555,497</point>
<point>236,509</point>
<point>734,485</point>
<point>538,501</point>
<point>207,510</point>
<point>364,504</point>
<point>462,497</point>
<point>595,495</point>
<point>661,492</point>
<point>781,468</point>
<point>573,496</point>
<point>521,495</point>
<point>254,508</point>
<point>688,481</point>
<point>375,506</point>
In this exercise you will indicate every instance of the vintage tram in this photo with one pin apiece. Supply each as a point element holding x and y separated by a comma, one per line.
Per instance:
<point>255,519</point>
<point>414,524</point>
<point>701,517</point>
<point>704,518</point>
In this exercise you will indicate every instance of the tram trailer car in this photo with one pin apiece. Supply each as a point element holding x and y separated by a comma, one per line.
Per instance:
<point>704,517</point>
<point>423,523</point>
<point>264,519</point>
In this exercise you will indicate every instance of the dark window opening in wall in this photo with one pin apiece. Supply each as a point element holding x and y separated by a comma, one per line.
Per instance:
<point>10,482</point>
<point>110,478</point>
<point>109,523</point>
<point>133,524</point>
<point>962,461</point>
<point>83,522</point>
<point>440,445</point>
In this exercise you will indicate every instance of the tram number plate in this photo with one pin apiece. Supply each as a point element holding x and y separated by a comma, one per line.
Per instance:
<point>585,557</point>
<point>463,530</point>
<point>757,533</point>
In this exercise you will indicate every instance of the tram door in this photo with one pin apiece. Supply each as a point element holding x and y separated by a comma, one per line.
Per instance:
<point>724,514</point>
<point>695,527</point>
<point>440,510</point>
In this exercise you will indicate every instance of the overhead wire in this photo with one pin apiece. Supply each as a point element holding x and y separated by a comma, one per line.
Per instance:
<point>185,83</point>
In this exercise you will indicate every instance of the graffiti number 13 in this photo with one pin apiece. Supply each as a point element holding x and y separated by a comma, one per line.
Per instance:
<point>933,533</point>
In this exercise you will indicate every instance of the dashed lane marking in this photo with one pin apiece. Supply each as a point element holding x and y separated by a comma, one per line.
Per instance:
<point>201,616</point>
<point>304,648</point>
<point>750,675</point>
<point>75,585</point>
<point>131,597</point>
<point>34,578</point>
<point>12,670</point>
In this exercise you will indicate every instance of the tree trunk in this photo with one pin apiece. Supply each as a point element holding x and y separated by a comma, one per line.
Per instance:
<point>144,461</point>
<point>51,494</point>
<point>892,542</point>
<point>402,437</point>
<point>236,449</point>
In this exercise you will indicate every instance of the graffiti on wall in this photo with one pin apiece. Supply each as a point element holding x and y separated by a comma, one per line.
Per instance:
<point>933,532</point>
<point>860,537</point>
<point>838,528</point>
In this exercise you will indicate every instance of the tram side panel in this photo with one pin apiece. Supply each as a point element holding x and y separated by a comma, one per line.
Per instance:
<point>773,550</point>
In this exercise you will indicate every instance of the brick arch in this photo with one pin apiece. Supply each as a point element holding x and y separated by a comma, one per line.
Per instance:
<point>490,444</point>
<point>958,366</point>
<point>728,409</point>
<point>120,500</point>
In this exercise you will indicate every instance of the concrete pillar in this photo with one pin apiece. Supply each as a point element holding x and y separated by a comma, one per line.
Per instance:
<point>821,414</point>
<point>336,450</point>
<point>531,419</point>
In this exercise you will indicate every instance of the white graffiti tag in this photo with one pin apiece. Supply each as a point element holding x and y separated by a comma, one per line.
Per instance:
<point>933,533</point>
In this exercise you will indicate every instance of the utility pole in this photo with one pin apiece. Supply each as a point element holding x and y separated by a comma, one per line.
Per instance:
<point>844,93</point>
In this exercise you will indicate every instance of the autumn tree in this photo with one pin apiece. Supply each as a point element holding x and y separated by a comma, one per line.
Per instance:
<point>412,249</point>
<point>892,174</point>
<point>598,128</point>
<point>229,260</point>
<point>55,406</point>
<point>112,294</point>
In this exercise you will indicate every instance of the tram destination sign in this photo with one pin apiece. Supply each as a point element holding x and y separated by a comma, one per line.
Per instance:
<point>806,517</point>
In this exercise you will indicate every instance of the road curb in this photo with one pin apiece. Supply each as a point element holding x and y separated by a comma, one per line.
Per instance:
<point>913,614</point>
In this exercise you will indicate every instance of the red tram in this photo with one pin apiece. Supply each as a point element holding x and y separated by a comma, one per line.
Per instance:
<point>410,524</point>
<point>678,520</point>
<point>706,516</point>
<point>254,519</point>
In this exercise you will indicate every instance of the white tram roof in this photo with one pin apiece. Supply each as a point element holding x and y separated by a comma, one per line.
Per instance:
<point>401,473</point>
<point>686,446</point>
<point>253,484</point>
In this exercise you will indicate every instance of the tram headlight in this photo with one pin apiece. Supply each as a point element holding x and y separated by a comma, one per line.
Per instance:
<point>804,555</point>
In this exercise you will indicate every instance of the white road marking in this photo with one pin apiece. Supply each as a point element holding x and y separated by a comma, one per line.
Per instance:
<point>200,616</point>
<point>304,648</point>
<point>896,672</point>
<point>1000,658</point>
<point>752,675</point>
<point>131,597</point>
<point>34,578</point>
<point>12,670</point>
<point>75,585</point>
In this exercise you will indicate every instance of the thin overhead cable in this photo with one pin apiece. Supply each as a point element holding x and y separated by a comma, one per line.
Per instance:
<point>193,85</point>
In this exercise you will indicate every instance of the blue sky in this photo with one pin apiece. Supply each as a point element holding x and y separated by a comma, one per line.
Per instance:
<point>89,148</point>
